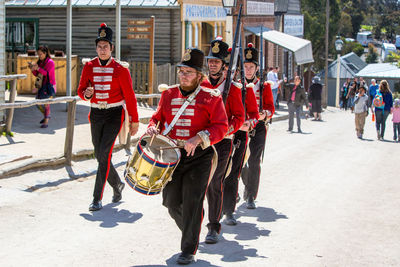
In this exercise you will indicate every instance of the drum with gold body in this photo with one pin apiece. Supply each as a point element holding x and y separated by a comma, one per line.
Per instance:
<point>150,167</point>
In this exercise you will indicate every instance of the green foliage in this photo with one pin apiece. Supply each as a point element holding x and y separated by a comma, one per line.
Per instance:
<point>345,25</point>
<point>4,133</point>
<point>393,57</point>
<point>355,47</point>
<point>314,27</point>
<point>372,55</point>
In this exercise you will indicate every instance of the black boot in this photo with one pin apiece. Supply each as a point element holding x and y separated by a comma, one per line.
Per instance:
<point>95,205</point>
<point>185,258</point>
<point>118,193</point>
<point>250,203</point>
<point>212,237</point>
<point>229,219</point>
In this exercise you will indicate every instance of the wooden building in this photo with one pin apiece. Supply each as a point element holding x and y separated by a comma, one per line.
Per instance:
<point>34,22</point>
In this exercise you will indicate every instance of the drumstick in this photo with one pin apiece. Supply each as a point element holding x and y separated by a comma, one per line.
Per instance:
<point>152,138</point>
<point>170,147</point>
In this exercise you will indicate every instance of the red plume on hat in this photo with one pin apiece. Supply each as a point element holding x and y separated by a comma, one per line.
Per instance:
<point>229,49</point>
<point>103,25</point>
<point>250,45</point>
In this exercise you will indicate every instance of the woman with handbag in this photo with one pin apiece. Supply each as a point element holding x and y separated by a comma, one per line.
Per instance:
<point>45,85</point>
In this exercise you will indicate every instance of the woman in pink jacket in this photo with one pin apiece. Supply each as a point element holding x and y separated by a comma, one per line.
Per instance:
<point>44,66</point>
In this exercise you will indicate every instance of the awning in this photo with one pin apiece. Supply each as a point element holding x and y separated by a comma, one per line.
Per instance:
<point>301,48</point>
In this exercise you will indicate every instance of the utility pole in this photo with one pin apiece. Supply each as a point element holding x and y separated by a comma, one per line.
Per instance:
<point>325,91</point>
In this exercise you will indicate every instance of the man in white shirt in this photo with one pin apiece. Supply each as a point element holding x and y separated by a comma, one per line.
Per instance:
<point>273,76</point>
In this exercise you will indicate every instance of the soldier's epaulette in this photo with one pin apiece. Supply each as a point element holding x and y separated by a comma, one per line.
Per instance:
<point>213,92</point>
<point>164,87</point>
<point>122,63</point>
<point>250,85</point>
<point>86,60</point>
<point>238,85</point>
<point>270,83</point>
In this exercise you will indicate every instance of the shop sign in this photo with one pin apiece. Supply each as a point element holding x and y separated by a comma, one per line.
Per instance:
<point>260,8</point>
<point>293,25</point>
<point>203,13</point>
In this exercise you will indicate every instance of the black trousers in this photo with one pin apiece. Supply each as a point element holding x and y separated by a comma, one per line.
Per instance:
<point>252,170</point>
<point>184,195</point>
<point>215,189</point>
<point>380,122</point>
<point>105,125</point>
<point>231,182</point>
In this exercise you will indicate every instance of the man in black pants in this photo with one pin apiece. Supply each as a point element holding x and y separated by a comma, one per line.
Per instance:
<point>235,112</point>
<point>252,170</point>
<point>198,126</point>
<point>107,84</point>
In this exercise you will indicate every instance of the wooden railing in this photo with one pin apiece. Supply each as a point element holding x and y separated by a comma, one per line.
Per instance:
<point>13,92</point>
<point>71,100</point>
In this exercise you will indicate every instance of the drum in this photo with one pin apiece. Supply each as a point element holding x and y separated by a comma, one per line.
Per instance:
<point>150,168</point>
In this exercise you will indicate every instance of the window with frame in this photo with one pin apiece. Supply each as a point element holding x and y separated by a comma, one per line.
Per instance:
<point>22,34</point>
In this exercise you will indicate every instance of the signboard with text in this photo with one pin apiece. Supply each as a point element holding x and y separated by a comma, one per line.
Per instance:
<point>203,13</point>
<point>260,8</point>
<point>293,25</point>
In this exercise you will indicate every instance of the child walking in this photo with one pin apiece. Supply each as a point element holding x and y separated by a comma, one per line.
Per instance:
<point>396,120</point>
<point>361,111</point>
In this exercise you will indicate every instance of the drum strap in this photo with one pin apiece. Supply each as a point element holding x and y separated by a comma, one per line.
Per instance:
<point>169,127</point>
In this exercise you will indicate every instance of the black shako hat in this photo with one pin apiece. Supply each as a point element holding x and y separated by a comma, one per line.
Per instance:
<point>192,58</point>
<point>104,34</point>
<point>218,50</point>
<point>251,54</point>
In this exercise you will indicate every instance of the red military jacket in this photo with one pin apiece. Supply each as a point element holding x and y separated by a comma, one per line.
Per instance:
<point>112,83</point>
<point>251,107</point>
<point>268,99</point>
<point>205,114</point>
<point>233,106</point>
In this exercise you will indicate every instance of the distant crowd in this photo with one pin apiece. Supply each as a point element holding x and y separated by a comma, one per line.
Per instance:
<point>360,98</point>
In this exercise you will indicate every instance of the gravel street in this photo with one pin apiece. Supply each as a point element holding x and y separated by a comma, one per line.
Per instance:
<point>326,198</point>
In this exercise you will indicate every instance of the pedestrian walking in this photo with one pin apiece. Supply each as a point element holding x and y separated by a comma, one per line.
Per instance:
<point>360,111</point>
<point>273,76</point>
<point>252,169</point>
<point>353,89</point>
<point>315,98</point>
<point>196,128</point>
<point>396,120</point>
<point>297,97</point>
<point>343,94</point>
<point>107,84</point>
<point>216,79</point>
<point>383,103</point>
<point>372,91</point>
<point>45,85</point>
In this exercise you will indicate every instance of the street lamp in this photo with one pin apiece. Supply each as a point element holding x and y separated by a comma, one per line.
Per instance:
<point>338,46</point>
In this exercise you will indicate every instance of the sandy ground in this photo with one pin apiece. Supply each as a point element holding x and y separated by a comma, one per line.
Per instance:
<point>325,199</point>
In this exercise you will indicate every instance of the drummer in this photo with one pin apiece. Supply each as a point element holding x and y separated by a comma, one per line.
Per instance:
<point>202,124</point>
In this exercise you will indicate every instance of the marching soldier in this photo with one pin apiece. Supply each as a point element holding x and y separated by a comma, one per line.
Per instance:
<point>197,127</point>
<point>252,170</point>
<point>235,112</point>
<point>107,84</point>
<point>231,182</point>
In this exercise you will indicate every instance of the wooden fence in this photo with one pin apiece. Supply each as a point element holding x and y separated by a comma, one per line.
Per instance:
<point>71,100</point>
<point>165,73</point>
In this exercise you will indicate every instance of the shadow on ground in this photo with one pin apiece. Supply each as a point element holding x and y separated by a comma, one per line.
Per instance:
<point>110,216</point>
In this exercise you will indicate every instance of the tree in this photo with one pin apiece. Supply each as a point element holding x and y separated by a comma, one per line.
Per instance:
<point>372,55</point>
<point>355,47</point>
<point>345,25</point>
<point>314,27</point>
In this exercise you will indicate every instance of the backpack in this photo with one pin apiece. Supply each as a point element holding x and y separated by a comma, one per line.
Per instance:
<point>378,100</point>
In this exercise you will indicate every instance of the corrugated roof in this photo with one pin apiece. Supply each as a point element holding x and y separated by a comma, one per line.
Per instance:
<point>281,6</point>
<point>92,3</point>
<point>380,71</point>
<point>350,65</point>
